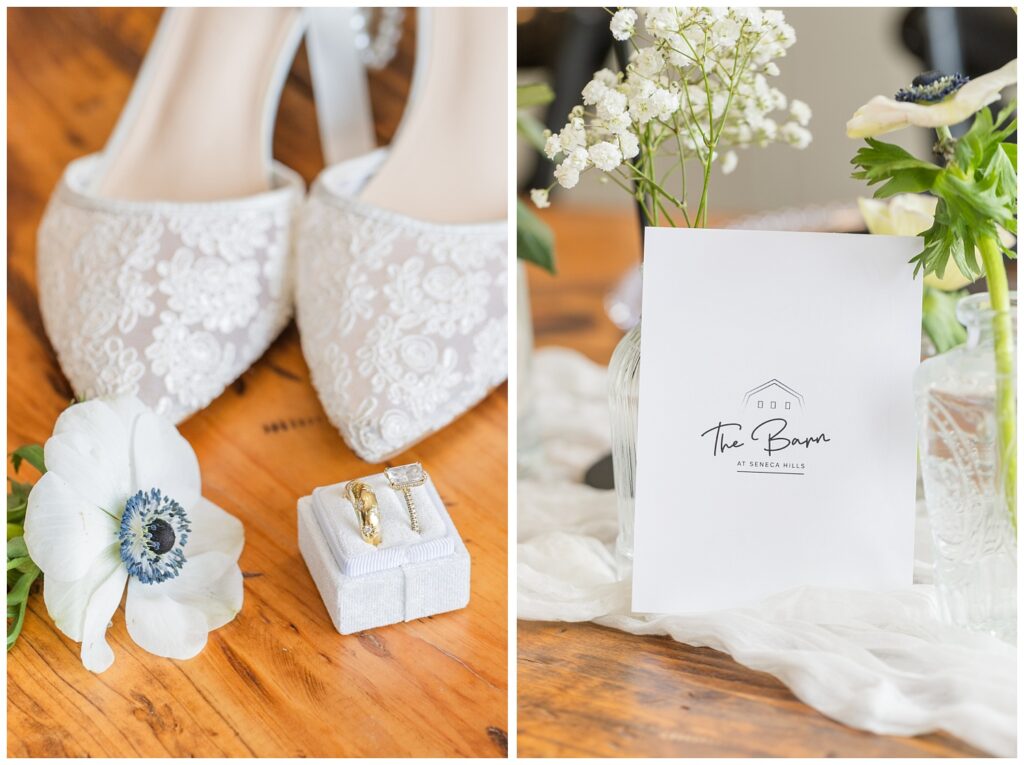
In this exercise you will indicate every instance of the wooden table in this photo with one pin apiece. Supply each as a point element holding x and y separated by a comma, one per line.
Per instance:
<point>590,691</point>
<point>278,680</point>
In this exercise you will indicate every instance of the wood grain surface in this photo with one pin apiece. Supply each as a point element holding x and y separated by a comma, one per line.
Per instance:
<point>278,680</point>
<point>588,691</point>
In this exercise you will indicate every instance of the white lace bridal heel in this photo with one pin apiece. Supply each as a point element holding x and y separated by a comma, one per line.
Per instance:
<point>164,260</point>
<point>402,280</point>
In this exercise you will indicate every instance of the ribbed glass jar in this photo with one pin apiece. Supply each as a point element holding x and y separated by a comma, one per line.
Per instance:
<point>974,541</point>
<point>623,394</point>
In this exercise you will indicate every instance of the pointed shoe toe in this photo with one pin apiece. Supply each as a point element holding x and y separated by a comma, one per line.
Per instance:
<point>403,322</point>
<point>164,300</point>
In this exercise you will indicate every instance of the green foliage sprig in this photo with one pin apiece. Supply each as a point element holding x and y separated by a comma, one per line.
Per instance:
<point>22,572</point>
<point>976,189</point>
<point>977,196</point>
<point>534,240</point>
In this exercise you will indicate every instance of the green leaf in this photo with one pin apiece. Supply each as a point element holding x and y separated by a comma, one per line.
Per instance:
<point>534,94</point>
<point>971,146</point>
<point>1004,170</point>
<point>941,242</point>
<point>16,548</point>
<point>908,181</point>
<point>32,454</point>
<point>938,319</point>
<point>15,621</point>
<point>1010,150</point>
<point>975,148</point>
<point>532,130</point>
<point>20,591</point>
<point>23,564</point>
<point>534,240</point>
<point>17,500</point>
<point>879,161</point>
<point>19,585</point>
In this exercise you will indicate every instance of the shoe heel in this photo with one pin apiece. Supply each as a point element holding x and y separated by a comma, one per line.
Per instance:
<point>339,84</point>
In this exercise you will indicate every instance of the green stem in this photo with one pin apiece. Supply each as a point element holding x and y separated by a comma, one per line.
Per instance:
<point>1002,326</point>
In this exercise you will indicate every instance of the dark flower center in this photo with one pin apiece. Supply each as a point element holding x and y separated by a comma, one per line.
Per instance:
<point>161,536</point>
<point>927,78</point>
<point>153,534</point>
<point>932,87</point>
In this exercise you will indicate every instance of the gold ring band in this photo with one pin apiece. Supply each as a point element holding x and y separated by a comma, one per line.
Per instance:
<point>364,501</point>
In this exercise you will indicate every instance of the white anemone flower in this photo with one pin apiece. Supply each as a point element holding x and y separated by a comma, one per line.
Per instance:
<point>121,503</point>
<point>883,115</point>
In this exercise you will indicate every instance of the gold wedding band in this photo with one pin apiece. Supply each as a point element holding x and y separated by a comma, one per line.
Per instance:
<point>365,503</point>
<point>404,479</point>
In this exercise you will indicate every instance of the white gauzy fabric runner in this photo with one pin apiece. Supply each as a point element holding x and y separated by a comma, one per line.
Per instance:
<point>883,662</point>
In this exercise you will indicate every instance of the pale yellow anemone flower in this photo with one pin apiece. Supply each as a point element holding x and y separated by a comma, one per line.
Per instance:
<point>910,215</point>
<point>884,115</point>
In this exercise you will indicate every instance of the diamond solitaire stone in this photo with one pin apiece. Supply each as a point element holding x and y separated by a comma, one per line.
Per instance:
<point>406,476</point>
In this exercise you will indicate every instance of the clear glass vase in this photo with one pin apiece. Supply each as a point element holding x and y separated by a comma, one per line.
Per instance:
<point>973,539</point>
<point>623,394</point>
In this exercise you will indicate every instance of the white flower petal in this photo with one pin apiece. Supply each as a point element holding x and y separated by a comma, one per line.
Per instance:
<point>90,449</point>
<point>96,654</point>
<point>63,531</point>
<point>163,459</point>
<point>173,618</point>
<point>210,583</point>
<point>128,408</point>
<point>213,530</point>
<point>93,471</point>
<point>66,602</point>
<point>883,115</point>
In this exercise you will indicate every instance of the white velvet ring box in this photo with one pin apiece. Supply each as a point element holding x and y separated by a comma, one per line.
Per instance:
<point>408,576</point>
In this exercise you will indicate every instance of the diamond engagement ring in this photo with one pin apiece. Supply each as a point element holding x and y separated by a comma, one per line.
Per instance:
<point>365,503</point>
<point>404,479</point>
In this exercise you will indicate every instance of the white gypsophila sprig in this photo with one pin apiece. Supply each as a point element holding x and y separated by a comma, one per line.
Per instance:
<point>696,88</point>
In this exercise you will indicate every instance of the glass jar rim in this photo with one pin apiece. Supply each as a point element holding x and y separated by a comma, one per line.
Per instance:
<point>975,309</point>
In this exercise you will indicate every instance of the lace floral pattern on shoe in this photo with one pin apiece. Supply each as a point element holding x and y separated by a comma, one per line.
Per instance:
<point>403,323</point>
<point>166,301</point>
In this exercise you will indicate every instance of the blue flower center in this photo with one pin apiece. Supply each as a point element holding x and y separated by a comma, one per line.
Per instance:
<point>932,87</point>
<point>154,531</point>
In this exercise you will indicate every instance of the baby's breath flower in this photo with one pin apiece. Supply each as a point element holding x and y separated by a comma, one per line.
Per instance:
<point>795,135</point>
<point>552,146</point>
<point>578,158</point>
<point>648,62</point>
<point>606,77</point>
<point>593,92</point>
<point>696,88</point>
<point>800,111</point>
<point>624,24</point>
<point>629,144</point>
<point>567,175</point>
<point>540,198</point>
<point>612,104</point>
<point>605,156</point>
<point>572,135</point>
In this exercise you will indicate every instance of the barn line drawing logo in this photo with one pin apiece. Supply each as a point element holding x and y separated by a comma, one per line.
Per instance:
<point>765,442</point>
<point>774,392</point>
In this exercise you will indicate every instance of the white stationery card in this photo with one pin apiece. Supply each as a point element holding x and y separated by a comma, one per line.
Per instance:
<point>776,439</point>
